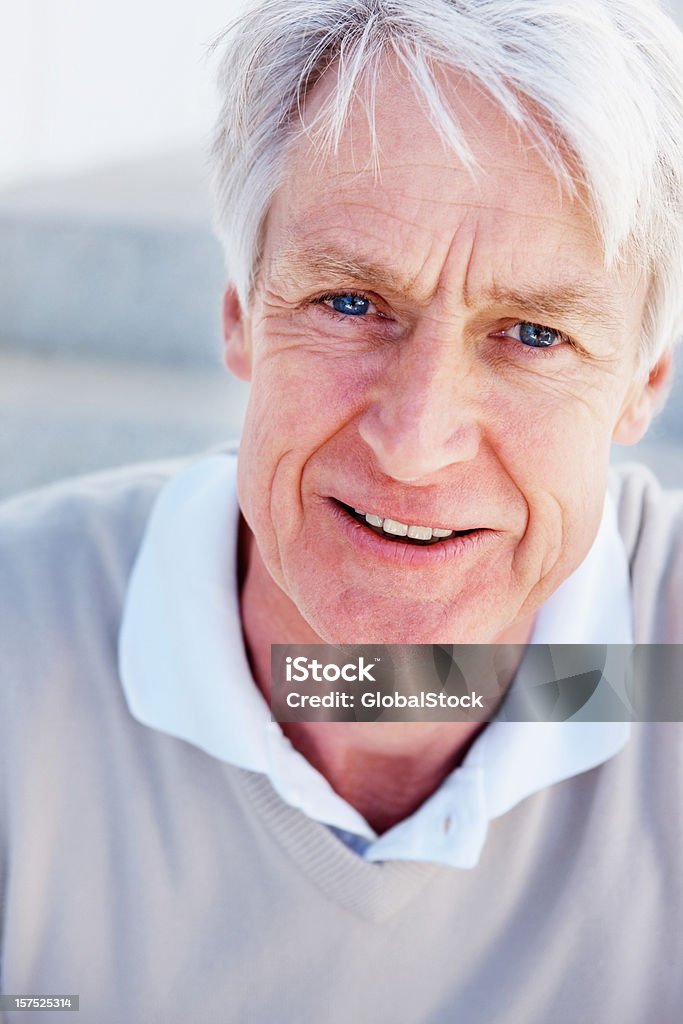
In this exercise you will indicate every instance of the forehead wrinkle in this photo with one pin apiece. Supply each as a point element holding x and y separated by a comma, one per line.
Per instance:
<point>553,302</point>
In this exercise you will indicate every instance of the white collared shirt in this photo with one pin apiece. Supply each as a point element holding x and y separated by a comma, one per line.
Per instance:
<point>185,672</point>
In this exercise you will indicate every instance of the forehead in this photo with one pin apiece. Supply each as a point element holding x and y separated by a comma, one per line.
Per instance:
<point>419,206</point>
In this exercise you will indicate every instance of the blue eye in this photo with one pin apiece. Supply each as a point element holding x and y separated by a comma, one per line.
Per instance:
<point>534,335</point>
<point>349,304</point>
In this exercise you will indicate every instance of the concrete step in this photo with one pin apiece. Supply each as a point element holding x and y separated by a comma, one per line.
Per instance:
<point>119,263</point>
<point>62,417</point>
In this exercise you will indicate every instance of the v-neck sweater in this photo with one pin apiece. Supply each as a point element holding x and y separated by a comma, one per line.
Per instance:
<point>161,884</point>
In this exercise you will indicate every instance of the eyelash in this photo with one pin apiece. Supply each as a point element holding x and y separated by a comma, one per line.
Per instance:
<point>322,299</point>
<point>532,351</point>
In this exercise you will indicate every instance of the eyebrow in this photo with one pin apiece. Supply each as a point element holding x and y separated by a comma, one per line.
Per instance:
<point>562,302</point>
<point>559,301</point>
<point>329,263</point>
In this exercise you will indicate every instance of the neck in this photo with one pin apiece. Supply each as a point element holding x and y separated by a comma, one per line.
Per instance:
<point>385,770</point>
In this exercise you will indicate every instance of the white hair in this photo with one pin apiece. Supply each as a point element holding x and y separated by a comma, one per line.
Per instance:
<point>601,80</point>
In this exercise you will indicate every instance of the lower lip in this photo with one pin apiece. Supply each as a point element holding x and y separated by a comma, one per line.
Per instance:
<point>395,552</point>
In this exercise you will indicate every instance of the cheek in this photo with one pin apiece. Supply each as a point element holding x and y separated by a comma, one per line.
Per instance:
<point>308,385</point>
<point>551,435</point>
<point>299,401</point>
<point>556,451</point>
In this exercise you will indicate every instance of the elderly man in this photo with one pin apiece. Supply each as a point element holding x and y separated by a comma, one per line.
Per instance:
<point>455,249</point>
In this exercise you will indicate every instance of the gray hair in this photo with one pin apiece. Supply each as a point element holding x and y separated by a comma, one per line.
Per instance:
<point>602,79</point>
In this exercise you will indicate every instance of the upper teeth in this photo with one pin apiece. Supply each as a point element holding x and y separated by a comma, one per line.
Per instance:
<point>404,529</point>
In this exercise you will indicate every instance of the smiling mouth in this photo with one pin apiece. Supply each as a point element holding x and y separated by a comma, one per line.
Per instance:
<point>392,530</point>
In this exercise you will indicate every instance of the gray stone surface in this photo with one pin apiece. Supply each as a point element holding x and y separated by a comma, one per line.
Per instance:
<point>170,189</point>
<point>119,263</point>
<point>110,288</point>
<point>61,417</point>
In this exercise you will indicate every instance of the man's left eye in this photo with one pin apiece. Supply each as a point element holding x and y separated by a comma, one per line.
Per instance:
<point>533,335</point>
<point>347,303</point>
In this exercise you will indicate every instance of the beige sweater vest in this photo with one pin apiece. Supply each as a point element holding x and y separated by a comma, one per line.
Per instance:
<point>161,885</point>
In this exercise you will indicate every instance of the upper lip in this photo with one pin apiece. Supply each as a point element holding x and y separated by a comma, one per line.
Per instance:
<point>411,517</point>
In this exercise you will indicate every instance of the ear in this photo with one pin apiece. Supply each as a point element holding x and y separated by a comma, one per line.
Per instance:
<point>236,336</point>
<point>644,399</point>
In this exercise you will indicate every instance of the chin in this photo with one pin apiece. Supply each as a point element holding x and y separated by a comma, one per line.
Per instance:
<point>429,626</point>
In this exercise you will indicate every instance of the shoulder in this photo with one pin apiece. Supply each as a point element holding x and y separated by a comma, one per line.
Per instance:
<point>644,506</point>
<point>650,520</point>
<point>50,532</point>
<point>70,516</point>
<point>645,780</point>
<point>66,553</point>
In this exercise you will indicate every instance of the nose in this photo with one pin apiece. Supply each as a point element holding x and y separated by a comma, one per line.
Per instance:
<point>422,415</point>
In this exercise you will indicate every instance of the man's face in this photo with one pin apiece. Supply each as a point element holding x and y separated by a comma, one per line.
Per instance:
<point>436,349</point>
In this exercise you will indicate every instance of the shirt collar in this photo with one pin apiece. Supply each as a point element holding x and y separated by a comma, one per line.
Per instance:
<point>185,672</point>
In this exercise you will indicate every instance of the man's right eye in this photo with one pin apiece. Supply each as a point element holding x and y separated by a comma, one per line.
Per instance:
<point>347,303</point>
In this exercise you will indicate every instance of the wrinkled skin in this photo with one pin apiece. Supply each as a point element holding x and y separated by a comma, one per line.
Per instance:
<point>427,406</point>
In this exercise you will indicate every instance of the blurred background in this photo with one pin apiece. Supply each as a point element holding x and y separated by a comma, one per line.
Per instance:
<point>110,279</point>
